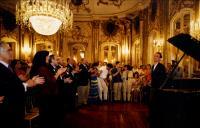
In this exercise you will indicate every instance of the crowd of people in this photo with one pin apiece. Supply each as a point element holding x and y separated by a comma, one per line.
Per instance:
<point>58,88</point>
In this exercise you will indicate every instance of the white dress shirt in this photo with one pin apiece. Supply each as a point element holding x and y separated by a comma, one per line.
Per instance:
<point>104,72</point>
<point>154,67</point>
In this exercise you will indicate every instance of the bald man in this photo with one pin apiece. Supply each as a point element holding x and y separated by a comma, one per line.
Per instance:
<point>12,91</point>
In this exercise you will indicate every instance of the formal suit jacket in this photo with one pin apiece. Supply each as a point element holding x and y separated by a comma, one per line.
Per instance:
<point>158,75</point>
<point>52,69</point>
<point>83,75</point>
<point>70,68</point>
<point>72,76</point>
<point>12,110</point>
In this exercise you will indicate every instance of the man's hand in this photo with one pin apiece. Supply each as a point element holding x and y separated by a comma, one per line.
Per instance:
<point>1,99</point>
<point>61,71</point>
<point>67,80</point>
<point>36,80</point>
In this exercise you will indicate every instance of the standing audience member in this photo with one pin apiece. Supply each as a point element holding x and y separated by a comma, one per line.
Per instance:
<point>169,67</point>
<point>125,81</point>
<point>109,67</point>
<point>93,91</point>
<point>61,61</point>
<point>48,93</point>
<point>103,89</point>
<point>83,88</point>
<point>148,74</point>
<point>117,81</point>
<point>70,89</point>
<point>145,90</point>
<point>53,64</point>
<point>21,72</point>
<point>129,84</point>
<point>12,91</point>
<point>178,73</point>
<point>137,82</point>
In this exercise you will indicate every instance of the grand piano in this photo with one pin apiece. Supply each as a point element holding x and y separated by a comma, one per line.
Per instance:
<point>178,101</point>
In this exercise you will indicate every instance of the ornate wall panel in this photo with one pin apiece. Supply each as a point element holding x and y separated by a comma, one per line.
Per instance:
<point>181,16</point>
<point>81,37</point>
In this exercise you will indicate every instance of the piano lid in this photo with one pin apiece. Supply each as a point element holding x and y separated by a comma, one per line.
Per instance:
<point>187,44</point>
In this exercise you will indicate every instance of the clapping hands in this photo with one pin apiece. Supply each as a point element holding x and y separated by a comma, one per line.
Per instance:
<point>61,71</point>
<point>36,80</point>
<point>68,80</point>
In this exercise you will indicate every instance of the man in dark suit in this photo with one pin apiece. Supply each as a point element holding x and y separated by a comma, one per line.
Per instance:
<point>53,64</point>
<point>12,91</point>
<point>83,88</point>
<point>70,88</point>
<point>158,75</point>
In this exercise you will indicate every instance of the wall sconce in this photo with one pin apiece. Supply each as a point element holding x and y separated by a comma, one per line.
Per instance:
<point>125,50</point>
<point>105,60</point>
<point>26,50</point>
<point>75,58</point>
<point>113,60</point>
<point>158,42</point>
<point>82,54</point>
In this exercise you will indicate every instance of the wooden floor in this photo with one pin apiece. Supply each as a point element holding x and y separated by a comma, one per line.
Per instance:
<point>115,115</point>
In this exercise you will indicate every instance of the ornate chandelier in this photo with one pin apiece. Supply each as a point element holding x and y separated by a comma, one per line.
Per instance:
<point>45,16</point>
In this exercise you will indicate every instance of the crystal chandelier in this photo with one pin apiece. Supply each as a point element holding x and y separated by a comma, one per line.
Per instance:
<point>45,16</point>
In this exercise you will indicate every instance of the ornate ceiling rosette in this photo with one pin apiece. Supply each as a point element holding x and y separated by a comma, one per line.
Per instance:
<point>78,5</point>
<point>110,27</point>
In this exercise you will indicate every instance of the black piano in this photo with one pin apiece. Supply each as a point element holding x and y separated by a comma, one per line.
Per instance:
<point>178,100</point>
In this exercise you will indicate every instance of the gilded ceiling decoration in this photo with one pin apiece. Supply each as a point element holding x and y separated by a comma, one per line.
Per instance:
<point>177,5</point>
<point>103,9</point>
<point>117,3</point>
<point>79,5</point>
<point>85,10</point>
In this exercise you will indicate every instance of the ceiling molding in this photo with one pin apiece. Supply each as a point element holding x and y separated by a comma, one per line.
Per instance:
<point>98,12</point>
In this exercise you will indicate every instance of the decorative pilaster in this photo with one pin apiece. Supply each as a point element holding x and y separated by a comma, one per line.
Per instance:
<point>127,42</point>
<point>142,58</point>
<point>32,44</point>
<point>60,45</point>
<point>95,40</point>
<point>164,29</point>
<point>20,41</point>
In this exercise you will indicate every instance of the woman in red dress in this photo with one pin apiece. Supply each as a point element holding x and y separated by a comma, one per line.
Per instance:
<point>48,93</point>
